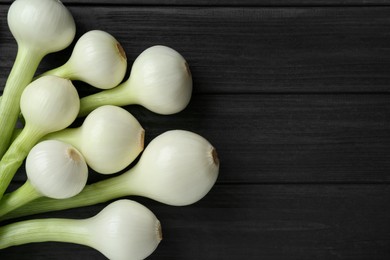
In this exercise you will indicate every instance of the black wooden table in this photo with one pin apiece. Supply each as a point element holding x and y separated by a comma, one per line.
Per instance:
<point>294,95</point>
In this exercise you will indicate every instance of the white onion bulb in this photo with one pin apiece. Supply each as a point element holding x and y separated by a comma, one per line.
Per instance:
<point>44,26</point>
<point>97,59</point>
<point>110,138</point>
<point>125,230</point>
<point>160,80</point>
<point>177,168</point>
<point>50,104</point>
<point>56,169</point>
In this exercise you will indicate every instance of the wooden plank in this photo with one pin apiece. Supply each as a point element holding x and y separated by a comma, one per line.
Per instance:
<point>225,2</point>
<point>250,50</point>
<point>257,222</point>
<point>286,138</point>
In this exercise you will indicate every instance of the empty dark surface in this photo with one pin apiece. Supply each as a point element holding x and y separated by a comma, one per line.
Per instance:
<point>295,95</point>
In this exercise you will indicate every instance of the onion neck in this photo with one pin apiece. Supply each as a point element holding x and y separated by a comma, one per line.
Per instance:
<point>70,136</point>
<point>121,95</point>
<point>62,72</point>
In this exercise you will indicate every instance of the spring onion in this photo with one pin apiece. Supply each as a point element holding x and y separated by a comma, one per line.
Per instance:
<point>110,138</point>
<point>160,80</point>
<point>97,59</point>
<point>177,168</point>
<point>48,104</point>
<point>39,27</point>
<point>54,169</point>
<point>123,230</point>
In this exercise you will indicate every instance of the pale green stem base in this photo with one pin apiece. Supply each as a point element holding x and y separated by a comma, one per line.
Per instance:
<point>99,192</point>
<point>118,96</point>
<point>68,135</point>
<point>22,73</point>
<point>43,230</point>
<point>15,156</point>
<point>61,72</point>
<point>23,195</point>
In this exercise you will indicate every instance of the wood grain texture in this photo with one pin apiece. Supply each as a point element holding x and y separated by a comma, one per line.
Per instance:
<point>248,50</point>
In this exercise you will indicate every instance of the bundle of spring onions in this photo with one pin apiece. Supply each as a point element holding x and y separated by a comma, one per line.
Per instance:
<point>177,167</point>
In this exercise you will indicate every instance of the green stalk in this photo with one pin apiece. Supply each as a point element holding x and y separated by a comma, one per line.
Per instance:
<point>61,72</point>
<point>67,135</point>
<point>99,192</point>
<point>16,154</point>
<point>43,230</point>
<point>23,195</point>
<point>118,96</point>
<point>22,73</point>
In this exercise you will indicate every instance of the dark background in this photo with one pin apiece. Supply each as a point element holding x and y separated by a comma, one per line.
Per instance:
<point>295,97</point>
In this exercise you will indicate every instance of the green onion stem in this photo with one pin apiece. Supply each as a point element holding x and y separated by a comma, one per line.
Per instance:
<point>61,72</point>
<point>16,154</point>
<point>67,135</point>
<point>43,230</point>
<point>22,72</point>
<point>13,200</point>
<point>118,96</point>
<point>99,192</point>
